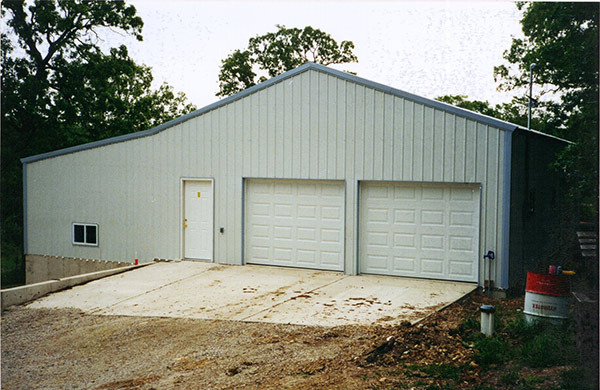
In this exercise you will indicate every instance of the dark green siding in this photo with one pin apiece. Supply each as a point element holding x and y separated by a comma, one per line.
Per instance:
<point>535,205</point>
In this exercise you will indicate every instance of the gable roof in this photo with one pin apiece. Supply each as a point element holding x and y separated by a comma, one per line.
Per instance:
<point>506,126</point>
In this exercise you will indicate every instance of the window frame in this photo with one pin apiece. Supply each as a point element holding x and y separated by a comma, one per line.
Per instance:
<point>85,225</point>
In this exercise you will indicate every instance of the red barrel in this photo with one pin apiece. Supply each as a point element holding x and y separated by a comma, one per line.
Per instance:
<point>557,285</point>
<point>547,297</point>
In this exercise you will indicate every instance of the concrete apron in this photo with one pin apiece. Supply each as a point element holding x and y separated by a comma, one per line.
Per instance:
<point>259,294</point>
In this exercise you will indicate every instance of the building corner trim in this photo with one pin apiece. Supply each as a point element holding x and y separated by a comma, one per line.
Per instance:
<point>505,259</point>
<point>25,245</point>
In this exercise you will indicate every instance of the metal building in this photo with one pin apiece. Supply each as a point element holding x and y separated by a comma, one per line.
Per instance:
<point>315,168</point>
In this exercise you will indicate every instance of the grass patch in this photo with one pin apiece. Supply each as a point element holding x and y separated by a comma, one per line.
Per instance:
<point>542,351</point>
<point>469,326</point>
<point>519,328</point>
<point>575,379</point>
<point>442,371</point>
<point>532,380</point>
<point>536,345</point>
<point>491,350</point>
<point>510,377</point>
<point>439,387</point>
<point>438,371</point>
<point>545,345</point>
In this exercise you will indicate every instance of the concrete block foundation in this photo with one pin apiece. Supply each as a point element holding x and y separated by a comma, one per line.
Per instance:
<point>40,268</point>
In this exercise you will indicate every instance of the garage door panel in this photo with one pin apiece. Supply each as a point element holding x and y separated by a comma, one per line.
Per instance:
<point>460,268</point>
<point>432,217</point>
<point>406,241</point>
<point>307,212</point>
<point>283,210</point>
<point>377,214</point>
<point>282,189</point>
<point>307,256</point>
<point>378,239</point>
<point>462,244</point>
<point>459,194</point>
<point>403,216</point>
<point>306,234</point>
<point>379,262</point>
<point>261,231</point>
<point>405,193</point>
<point>330,236</point>
<point>261,252</point>
<point>423,230</point>
<point>462,218</point>
<point>306,189</point>
<point>432,193</point>
<point>404,264</point>
<point>282,255</point>
<point>301,221</point>
<point>432,266</point>
<point>432,241</point>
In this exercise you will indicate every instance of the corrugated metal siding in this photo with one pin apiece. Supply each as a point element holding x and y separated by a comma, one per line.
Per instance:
<point>534,185</point>
<point>310,126</point>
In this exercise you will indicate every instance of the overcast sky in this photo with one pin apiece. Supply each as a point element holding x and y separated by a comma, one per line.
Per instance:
<point>426,48</point>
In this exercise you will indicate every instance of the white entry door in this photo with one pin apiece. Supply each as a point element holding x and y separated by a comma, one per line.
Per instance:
<point>295,223</point>
<point>198,219</point>
<point>421,230</point>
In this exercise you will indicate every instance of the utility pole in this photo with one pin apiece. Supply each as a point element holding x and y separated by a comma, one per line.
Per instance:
<point>530,94</point>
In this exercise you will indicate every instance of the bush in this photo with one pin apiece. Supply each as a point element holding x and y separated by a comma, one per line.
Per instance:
<point>13,266</point>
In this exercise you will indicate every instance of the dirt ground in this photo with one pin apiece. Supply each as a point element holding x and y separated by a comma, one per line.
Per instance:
<point>63,349</point>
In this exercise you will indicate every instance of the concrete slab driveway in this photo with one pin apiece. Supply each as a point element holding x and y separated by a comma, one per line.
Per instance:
<point>259,293</point>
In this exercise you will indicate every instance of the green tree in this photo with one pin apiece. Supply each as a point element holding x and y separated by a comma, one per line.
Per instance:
<point>562,40</point>
<point>514,111</point>
<point>462,101</point>
<point>277,52</point>
<point>60,89</point>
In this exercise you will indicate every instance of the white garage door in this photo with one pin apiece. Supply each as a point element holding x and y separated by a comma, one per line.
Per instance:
<point>420,230</point>
<point>295,223</point>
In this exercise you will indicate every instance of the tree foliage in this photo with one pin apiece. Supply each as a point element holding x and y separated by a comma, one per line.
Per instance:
<point>514,111</point>
<point>59,88</point>
<point>277,52</point>
<point>562,40</point>
<point>462,101</point>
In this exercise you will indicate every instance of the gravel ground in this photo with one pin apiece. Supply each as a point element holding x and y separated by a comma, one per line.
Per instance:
<point>67,349</point>
<point>62,349</point>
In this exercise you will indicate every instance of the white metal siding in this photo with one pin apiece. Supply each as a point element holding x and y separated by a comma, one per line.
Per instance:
<point>419,230</point>
<point>310,126</point>
<point>295,223</point>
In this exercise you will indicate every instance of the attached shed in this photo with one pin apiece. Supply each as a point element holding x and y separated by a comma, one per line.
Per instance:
<point>315,168</point>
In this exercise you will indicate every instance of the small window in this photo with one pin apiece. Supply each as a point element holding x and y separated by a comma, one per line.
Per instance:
<point>85,234</point>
